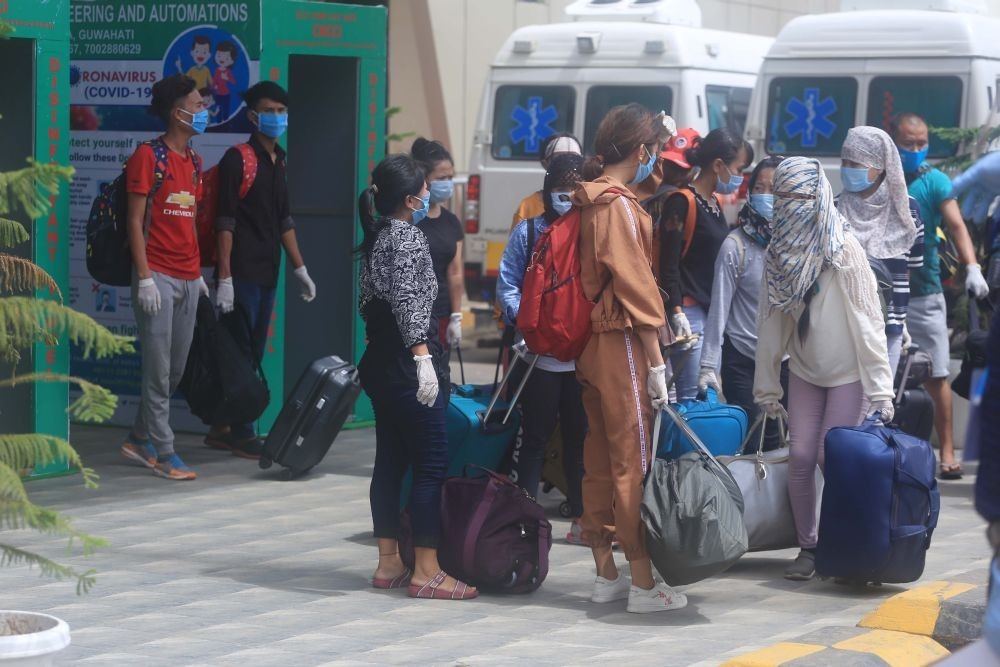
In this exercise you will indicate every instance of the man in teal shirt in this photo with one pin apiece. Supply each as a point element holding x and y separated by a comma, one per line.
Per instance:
<point>927,321</point>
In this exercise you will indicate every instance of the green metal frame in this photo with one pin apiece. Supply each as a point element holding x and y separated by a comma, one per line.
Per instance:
<point>47,23</point>
<point>295,27</point>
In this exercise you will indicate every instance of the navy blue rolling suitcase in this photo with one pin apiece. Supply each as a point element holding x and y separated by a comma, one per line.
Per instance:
<point>880,505</point>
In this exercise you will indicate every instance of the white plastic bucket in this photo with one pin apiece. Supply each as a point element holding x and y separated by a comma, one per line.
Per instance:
<point>28,639</point>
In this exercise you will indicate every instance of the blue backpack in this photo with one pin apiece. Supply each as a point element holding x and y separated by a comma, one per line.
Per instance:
<point>722,428</point>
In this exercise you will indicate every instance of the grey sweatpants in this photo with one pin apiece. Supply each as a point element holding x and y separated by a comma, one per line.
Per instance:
<point>164,338</point>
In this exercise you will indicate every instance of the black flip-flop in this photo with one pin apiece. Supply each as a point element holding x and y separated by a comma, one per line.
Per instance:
<point>950,471</point>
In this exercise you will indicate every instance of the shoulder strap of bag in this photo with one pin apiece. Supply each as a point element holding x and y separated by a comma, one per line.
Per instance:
<point>741,251</point>
<point>476,525</point>
<point>690,220</point>
<point>160,157</point>
<point>531,238</point>
<point>249,168</point>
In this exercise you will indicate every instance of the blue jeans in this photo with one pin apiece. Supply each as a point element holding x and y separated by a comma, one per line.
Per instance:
<point>408,434</point>
<point>258,303</point>
<point>688,361</point>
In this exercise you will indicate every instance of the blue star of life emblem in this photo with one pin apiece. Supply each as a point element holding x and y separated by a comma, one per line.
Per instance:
<point>811,117</point>
<point>533,124</point>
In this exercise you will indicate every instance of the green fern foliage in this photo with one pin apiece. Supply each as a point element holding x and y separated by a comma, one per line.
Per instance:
<point>22,317</point>
<point>12,233</point>
<point>31,187</point>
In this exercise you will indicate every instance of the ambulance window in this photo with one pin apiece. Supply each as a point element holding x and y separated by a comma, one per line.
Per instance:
<point>600,99</point>
<point>938,99</point>
<point>524,115</point>
<point>810,115</point>
<point>727,107</point>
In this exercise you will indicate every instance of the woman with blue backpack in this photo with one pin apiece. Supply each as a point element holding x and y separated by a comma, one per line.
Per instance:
<point>820,306</point>
<point>552,393</point>
<point>730,338</point>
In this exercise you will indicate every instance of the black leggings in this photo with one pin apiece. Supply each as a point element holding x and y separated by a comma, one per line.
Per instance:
<point>737,385</point>
<point>549,397</point>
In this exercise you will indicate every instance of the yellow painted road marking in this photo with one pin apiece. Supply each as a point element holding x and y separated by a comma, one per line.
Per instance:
<point>777,654</point>
<point>916,610</point>
<point>896,648</point>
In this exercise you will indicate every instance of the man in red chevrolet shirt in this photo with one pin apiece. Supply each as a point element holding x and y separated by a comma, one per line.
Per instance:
<point>166,278</point>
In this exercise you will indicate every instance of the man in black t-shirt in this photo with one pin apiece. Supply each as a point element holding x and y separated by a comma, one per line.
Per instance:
<point>251,232</point>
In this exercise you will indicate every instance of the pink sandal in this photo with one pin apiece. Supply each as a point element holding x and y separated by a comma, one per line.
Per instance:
<point>396,582</point>
<point>431,590</point>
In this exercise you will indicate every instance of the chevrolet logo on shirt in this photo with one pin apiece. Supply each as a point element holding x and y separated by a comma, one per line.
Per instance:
<point>184,199</point>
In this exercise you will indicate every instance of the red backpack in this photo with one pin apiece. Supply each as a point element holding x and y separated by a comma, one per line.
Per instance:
<point>554,315</point>
<point>209,205</point>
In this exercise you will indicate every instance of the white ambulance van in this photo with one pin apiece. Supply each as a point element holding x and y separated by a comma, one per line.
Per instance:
<point>564,77</point>
<point>826,73</point>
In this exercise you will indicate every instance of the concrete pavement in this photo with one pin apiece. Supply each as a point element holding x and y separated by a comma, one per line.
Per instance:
<point>238,568</point>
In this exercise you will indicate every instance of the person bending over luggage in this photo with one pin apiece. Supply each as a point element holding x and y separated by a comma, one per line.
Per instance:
<point>820,306</point>
<point>166,267</point>
<point>251,232</point>
<point>730,340</point>
<point>621,369</point>
<point>552,391</point>
<point>444,234</point>
<point>688,248</point>
<point>885,220</point>
<point>401,370</point>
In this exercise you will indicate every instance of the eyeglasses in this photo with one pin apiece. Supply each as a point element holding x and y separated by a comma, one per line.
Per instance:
<point>794,195</point>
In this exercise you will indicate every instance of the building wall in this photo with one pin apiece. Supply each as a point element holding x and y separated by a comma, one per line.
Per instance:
<point>440,52</point>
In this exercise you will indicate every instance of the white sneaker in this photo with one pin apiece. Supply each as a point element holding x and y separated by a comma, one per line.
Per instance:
<point>659,598</point>
<point>609,590</point>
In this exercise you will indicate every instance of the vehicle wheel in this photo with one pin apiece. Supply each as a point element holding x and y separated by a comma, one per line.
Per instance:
<point>565,510</point>
<point>264,463</point>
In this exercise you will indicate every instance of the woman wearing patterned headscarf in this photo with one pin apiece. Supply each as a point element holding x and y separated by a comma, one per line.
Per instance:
<point>884,218</point>
<point>820,306</point>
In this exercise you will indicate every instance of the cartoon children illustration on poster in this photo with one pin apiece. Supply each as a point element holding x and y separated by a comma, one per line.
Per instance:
<point>219,65</point>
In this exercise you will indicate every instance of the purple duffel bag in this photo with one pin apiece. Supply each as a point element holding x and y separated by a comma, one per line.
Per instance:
<point>493,536</point>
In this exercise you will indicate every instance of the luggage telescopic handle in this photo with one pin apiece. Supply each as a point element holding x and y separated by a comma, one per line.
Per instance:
<point>461,364</point>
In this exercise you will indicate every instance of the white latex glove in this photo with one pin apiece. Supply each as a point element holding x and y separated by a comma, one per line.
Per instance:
<point>882,409</point>
<point>774,410</point>
<point>224,296</point>
<point>975,284</point>
<point>707,378</point>
<point>907,340</point>
<point>680,324</point>
<point>656,386</point>
<point>454,332</point>
<point>306,284</point>
<point>149,296</point>
<point>427,380</point>
<point>202,286</point>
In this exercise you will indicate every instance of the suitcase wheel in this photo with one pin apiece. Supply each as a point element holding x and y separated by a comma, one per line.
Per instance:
<point>264,463</point>
<point>287,475</point>
<point>565,511</point>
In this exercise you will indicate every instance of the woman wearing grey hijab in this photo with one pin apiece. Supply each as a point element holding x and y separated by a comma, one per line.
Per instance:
<point>884,218</point>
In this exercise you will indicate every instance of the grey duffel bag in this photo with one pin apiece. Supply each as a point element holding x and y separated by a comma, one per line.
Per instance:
<point>693,512</point>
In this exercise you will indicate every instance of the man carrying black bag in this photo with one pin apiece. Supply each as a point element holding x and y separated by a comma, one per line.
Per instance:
<point>251,230</point>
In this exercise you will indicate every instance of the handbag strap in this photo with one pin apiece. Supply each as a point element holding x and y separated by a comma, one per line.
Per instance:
<point>760,423</point>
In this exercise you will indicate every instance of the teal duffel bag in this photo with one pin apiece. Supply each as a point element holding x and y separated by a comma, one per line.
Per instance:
<point>720,426</point>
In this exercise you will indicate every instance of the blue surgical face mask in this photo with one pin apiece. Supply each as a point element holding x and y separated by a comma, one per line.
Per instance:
<point>912,159</point>
<point>272,124</point>
<point>560,202</point>
<point>763,204</point>
<point>730,186</point>
<point>420,213</point>
<point>855,179</point>
<point>643,171</point>
<point>199,121</point>
<point>441,191</point>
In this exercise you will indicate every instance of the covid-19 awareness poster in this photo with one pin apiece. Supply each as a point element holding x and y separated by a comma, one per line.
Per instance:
<point>119,49</point>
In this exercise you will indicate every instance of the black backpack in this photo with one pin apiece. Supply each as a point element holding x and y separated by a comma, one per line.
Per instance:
<point>109,260</point>
<point>223,381</point>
